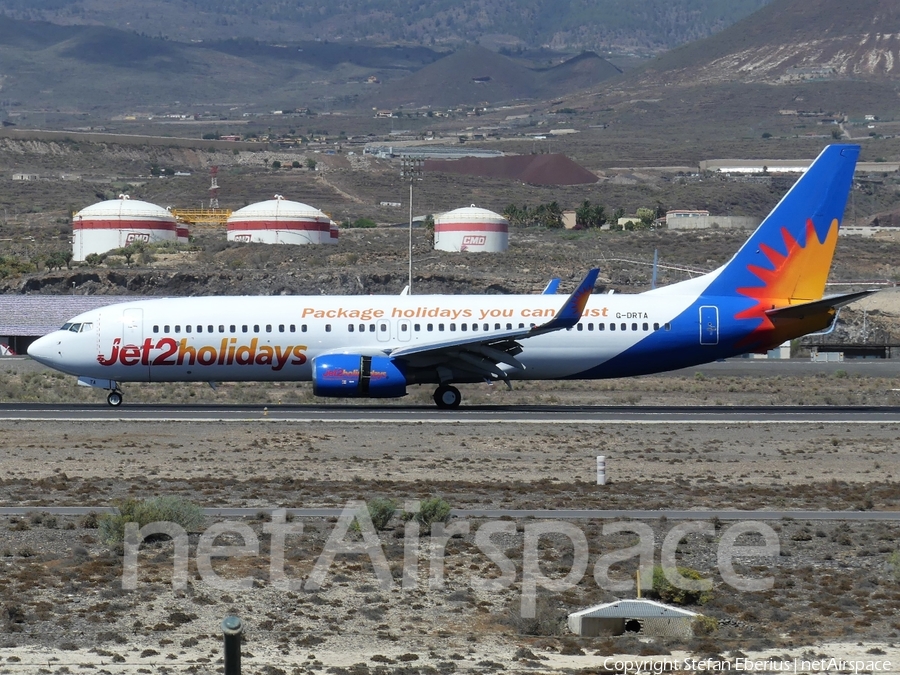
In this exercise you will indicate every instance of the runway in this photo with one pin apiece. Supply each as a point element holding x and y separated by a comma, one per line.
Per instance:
<point>393,414</point>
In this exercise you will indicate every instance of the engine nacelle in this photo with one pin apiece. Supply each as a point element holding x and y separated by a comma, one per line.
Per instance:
<point>353,375</point>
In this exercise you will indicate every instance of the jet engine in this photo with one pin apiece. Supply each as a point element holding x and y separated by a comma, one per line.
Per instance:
<point>354,375</point>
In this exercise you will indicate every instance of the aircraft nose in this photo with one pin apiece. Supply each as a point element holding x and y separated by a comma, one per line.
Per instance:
<point>45,350</point>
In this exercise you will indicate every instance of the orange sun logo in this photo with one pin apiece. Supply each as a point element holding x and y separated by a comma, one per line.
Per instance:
<point>795,277</point>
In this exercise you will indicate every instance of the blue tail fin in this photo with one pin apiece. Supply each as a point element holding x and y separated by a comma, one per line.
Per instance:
<point>787,259</point>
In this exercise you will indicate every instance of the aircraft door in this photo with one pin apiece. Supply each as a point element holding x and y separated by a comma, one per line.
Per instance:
<point>383,330</point>
<point>404,330</point>
<point>709,325</point>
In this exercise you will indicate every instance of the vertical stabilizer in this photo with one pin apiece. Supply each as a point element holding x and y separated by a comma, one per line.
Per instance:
<point>787,259</point>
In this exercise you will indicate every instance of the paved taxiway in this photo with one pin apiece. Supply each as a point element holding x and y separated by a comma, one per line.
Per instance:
<point>392,414</point>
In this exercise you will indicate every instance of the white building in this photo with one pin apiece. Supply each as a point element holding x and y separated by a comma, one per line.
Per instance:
<point>471,229</point>
<point>117,223</point>
<point>279,221</point>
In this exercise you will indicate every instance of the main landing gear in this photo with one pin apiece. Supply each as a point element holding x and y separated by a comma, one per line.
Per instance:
<point>447,397</point>
<point>115,398</point>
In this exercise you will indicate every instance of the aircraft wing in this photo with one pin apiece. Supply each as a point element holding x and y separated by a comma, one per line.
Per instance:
<point>817,306</point>
<point>483,353</point>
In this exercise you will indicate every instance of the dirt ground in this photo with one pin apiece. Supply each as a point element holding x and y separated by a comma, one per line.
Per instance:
<point>836,584</point>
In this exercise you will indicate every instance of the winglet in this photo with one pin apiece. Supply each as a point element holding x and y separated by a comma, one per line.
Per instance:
<point>570,313</point>
<point>551,287</point>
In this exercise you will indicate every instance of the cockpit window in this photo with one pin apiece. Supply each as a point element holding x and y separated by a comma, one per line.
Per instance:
<point>66,326</point>
<point>75,327</point>
<point>87,327</point>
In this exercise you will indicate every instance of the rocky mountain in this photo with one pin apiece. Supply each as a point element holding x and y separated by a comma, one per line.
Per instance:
<point>647,26</point>
<point>793,41</point>
<point>474,74</point>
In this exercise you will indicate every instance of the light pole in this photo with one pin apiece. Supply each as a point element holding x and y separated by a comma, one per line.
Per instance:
<point>412,169</point>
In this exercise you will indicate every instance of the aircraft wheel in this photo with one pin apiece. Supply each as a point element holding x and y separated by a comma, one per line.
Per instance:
<point>114,398</point>
<point>446,396</point>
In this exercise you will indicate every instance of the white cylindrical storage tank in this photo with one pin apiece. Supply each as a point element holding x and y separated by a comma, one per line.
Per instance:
<point>333,233</point>
<point>184,234</point>
<point>471,229</point>
<point>279,221</point>
<point>117,223</point>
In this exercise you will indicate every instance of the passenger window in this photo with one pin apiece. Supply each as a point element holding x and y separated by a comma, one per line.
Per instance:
<point>362,328</point>
<point>350,328</point>
<point>656,326</point>
<point>187,329</point>
<point>462,327</point>
<point>601,326</point>
<point>404,327</point>
<point>590,326</point>
<point>383,328</point>
<point>244,328</point>
<point>221,328</point>
<point>452,327</point>
<point>429,327</point>
<point>155,329</point>
<point>327,327</point>
<point>371,327</point>
<point>624,326</point>
<point>281,328</point>
<point>509,326</point>
<point>496,326</point>
<point>441,327</point>
<point>581,326</point>
<point>612,326</point>
<point>667,326</point>
<point>166,329</point>
<point>521,325</point>
<point>645,327</point>
<point>232,328</point>
<point>634,326</point>
<point>303,328</point>
<point>293,328</point>
<point>178,328</point>
<point>268,328</point>
<point>256,328</point>
<point>209,329</point>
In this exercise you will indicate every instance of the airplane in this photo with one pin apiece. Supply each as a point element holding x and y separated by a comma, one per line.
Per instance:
<point>377,346</point>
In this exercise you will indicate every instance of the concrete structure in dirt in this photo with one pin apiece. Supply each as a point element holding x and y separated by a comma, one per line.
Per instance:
<point>471,229</point>
<point>642,617</point>
<point>120,222</point>
<point>280,221</point>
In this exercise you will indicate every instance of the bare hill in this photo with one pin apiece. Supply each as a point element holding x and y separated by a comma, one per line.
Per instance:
<point>792,41</point>
<point>532,169</point>
<point>474,75</point>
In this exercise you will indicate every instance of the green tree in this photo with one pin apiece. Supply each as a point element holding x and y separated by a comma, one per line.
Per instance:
<point>311,164</point>
<point>647,217</point>
<point>588,215</point>
<point>276,164</point>
<point>295,164</point>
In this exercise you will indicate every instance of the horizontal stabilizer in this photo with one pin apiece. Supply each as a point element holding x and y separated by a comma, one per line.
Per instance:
<point>817,306</point>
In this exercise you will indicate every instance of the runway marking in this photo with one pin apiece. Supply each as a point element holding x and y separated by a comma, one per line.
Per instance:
<point>437,420</point>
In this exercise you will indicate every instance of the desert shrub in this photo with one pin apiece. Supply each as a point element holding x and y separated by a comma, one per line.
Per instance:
<point>170,509</point>
<point>664,590</point>
<point>704,625</point>
<point>381,510</point>
<point>433,510</point>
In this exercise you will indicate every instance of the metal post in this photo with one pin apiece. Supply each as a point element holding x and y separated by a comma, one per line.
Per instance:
<point>232,628</point>
<point>412,169</point>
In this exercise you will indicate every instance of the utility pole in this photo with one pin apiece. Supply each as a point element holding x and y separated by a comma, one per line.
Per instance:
<point>412,169</point>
